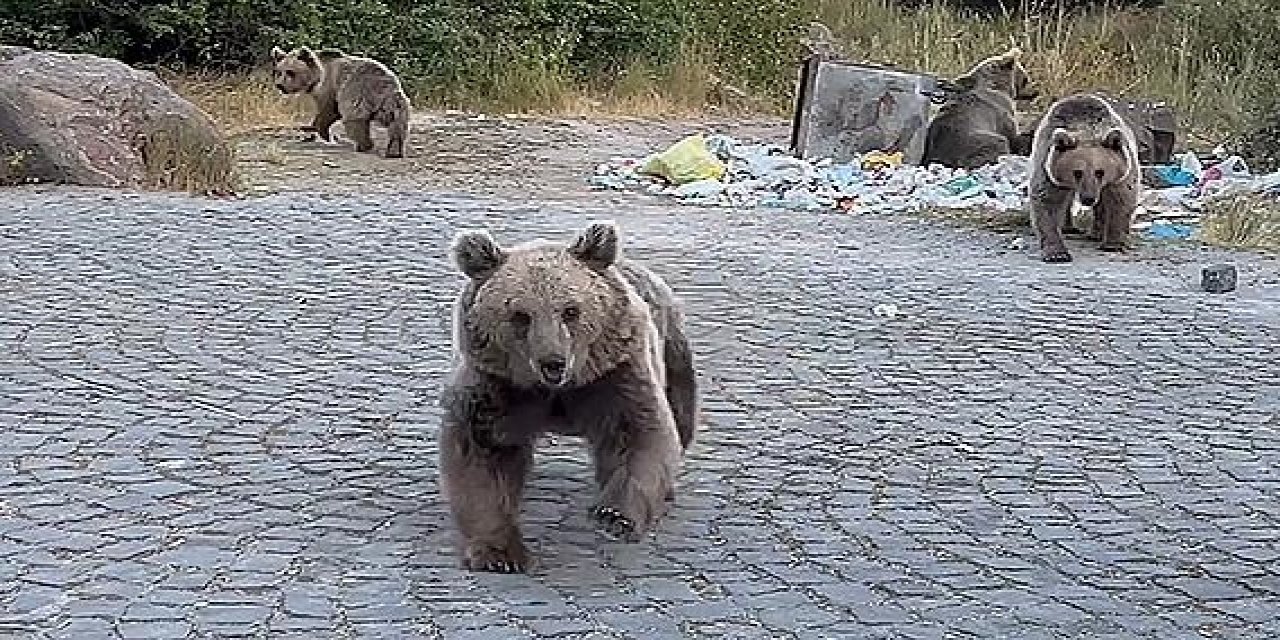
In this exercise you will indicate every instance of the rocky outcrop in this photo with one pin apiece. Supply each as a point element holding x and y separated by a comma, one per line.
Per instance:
<point>82,119</point>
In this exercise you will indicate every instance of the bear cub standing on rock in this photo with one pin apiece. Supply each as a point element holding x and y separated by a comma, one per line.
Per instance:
<point>978,122</point>
<point>356,90</point>
<point>572,340</point>
<point>1083,150</point>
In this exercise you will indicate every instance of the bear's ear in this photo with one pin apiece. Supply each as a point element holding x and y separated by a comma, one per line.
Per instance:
<point>277,54</point>
<point>476,254</point>
<point>1064,140</point>
<point>597,245</point>
<point>306,55</point>
<point>1114,140</point>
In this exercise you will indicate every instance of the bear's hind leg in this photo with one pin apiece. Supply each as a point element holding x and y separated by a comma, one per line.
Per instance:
<point>358,130</point>
<point>985,148</point>
<point>682,384</point>
<point>397,133</point>
<point>484,483</point>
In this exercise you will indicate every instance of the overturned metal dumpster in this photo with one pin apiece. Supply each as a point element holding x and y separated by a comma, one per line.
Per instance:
<point>844,109</point>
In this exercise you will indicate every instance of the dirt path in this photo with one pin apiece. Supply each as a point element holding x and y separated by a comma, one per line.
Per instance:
<point>480,154</point>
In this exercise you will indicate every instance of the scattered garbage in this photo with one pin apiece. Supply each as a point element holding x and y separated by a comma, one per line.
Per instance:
<point>719,170</point>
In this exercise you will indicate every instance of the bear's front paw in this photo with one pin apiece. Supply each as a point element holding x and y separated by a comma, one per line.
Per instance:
<point>1071,230</point>
<point>1057,256</point>
<point>613,522</point>
<point>513,558</point>
<point>1112,248</point>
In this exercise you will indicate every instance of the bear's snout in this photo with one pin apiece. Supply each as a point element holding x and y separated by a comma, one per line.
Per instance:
<point>1088,200</point>
<point>553,370</point>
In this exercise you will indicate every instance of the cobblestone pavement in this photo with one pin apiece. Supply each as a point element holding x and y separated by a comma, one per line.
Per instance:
<point>218,419</point>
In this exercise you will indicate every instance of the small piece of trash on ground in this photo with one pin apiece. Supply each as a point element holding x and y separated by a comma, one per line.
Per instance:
<point>886,310</point>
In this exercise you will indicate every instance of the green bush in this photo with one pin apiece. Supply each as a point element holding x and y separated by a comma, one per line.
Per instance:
<point>436,42</point>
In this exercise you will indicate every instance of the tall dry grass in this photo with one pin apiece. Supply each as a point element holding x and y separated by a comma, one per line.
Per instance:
<point>1249,222</point>
<point>1141,53</point>
<point>1148,53</point>
<point>179,156</point>
<point>241,103</point>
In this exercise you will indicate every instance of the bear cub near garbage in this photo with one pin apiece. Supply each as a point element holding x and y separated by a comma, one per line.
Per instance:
<point>1083,150</point>
<point>359,91</point>
<point>978,122</point>
<point>569,339</point>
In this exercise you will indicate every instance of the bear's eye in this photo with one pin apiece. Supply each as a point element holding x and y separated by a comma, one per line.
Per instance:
<point>1100,173</point>
<point>570,314</point>
<point>1078,174</point>
<point>520,319</point>
<point>288,74</point>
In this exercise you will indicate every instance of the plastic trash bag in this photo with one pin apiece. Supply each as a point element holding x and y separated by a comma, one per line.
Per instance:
<point>686,161</point>
<point>1190,163</point>
<point>1162,230</point>
<point>1231,168</point>
<point>1174,176</point>
<point>881,160</point>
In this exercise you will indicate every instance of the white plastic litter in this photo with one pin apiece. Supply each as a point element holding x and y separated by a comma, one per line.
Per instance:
<point>886,310</point>
<point>1190,163</point>
<point>700,189</point>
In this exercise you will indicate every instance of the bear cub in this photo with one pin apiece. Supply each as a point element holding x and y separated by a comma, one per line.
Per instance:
<point>358,91</point>
<point>568,339</point>
<point>1083,150</point>
<point>978,122</point>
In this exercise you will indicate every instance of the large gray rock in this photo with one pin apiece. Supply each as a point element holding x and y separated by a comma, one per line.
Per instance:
<point>82,119</point>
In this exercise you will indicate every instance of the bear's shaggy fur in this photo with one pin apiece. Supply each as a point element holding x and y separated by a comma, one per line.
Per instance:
<point>978,123</point>
<point>564,339</point>
<point>356,90</point>
<point>1083,150</point>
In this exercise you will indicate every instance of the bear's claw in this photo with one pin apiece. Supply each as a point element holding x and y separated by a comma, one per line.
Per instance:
<point>1057,256</point>
<point>495,560</point>
<point>614,522</point>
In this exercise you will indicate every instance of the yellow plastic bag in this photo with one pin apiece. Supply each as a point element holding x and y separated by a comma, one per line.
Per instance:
<point>881,160</point>
<point>686,161</point>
